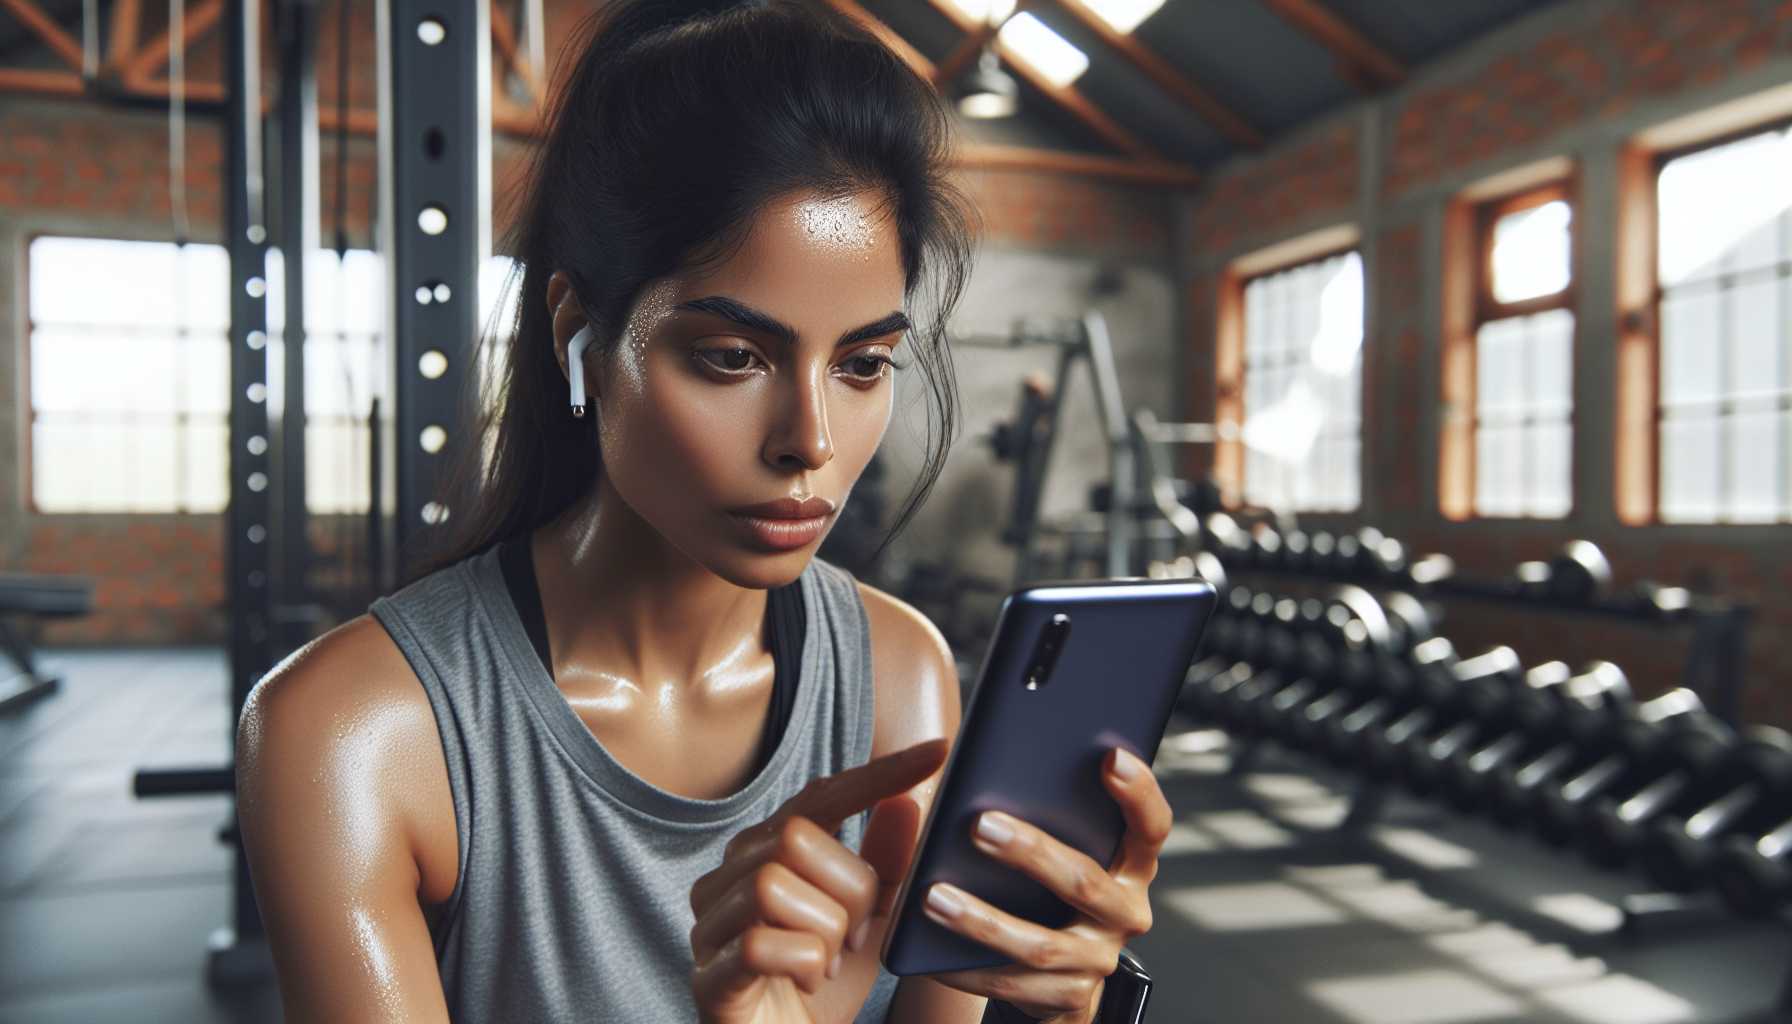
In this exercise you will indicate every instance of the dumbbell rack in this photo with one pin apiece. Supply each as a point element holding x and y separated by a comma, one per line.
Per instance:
<point>1717,655</point>
<point>1714,666</point>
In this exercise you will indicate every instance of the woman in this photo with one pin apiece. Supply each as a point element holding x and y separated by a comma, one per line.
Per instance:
<point>615,756</point>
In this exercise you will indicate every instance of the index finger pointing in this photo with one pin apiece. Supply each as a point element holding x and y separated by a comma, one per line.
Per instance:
<point>830,800</point>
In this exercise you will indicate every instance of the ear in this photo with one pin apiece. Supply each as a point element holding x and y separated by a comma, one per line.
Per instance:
<point>566,316</point>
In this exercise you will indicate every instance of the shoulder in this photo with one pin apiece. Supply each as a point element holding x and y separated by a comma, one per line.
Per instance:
<point>340,723</point>
<point>915,679</point>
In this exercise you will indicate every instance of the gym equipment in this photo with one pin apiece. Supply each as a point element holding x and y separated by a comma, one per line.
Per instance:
<point>1028,439</point>
<point>1677,773</point>
<point>1753,875</point>
<point>1633,759</point>
<point>1591,704</point>
<point>1408,714</point>
<point>1580,573</point>
<point>1531,716</point>
<point>35,596</point>
<point>1755,788</point>
<point>1466,704</point>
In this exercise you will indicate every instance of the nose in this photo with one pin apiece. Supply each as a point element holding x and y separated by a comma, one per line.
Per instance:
<point>799,439</point>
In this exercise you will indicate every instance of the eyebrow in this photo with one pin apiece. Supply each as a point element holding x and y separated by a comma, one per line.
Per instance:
<point>757,320</point>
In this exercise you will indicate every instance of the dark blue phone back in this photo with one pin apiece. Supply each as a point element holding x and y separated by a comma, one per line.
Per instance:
<point>1037,754</point>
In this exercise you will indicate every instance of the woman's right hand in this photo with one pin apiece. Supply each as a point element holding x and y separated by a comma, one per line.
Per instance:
<point>774,919</point>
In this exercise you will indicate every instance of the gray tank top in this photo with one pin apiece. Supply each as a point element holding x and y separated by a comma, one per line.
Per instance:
<point>573,901</point>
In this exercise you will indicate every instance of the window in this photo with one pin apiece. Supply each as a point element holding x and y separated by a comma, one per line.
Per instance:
<point>129,353</point>
<point>1509,365</point>
<point>130,373</point>
<point>1302,377</point>
<point>1723,267</point>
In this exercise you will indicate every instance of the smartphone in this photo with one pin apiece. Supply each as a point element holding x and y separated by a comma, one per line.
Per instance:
<point>1075,668</point>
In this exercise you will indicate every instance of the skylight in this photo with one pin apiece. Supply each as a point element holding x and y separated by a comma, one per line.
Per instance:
<point>1045,50</point>
<point>1124,15</point>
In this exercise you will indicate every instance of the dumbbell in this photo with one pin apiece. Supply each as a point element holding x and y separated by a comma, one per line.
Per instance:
<point>1324,645</point>
<point>1630,761</point>
<point>1377,682</point>
<point>1251,656</point>
<point>1431,570</point>
<point>1580,573</point>
<point>1220,650</point>
<point>1531,719</point>
<point>1592,705</point>
<point>1382,737</point>
<point>1681,773</point>
<point>1266,548</point>
<point>1755,792</point>
<point>1380,557</point>
<point>1322,553</point>
<point>1283,660</point>
<point>1347,548</point>
<point>1464,711</point>
<point>1222,535</point>
<point>1362,629</point>
<point>1296,551</point>
<point>1755,875</point>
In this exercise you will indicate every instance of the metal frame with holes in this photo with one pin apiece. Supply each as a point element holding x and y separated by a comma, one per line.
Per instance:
<point>435,188</point>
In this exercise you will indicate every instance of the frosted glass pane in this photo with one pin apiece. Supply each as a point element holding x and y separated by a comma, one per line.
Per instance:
<point>1714,203</point>
<point>1497,370</point>
<point>1531,252</point>
<point>364,293</point>
<point>1551,359</point>
<point>207,450</point>
<point>1757,337</point>
<point>1551,483</point>
<point>105,281</point>
<point>206,380</point>
<point>1689,468</point>
<point>335,467</point>
<point>71,470</point>
<point>203,278</point>
<point>87,370</point>
<point>1689,355</point>
<point>1754,455</point>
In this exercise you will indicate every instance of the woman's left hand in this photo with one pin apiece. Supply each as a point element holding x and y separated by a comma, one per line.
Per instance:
<point>1058,974</point>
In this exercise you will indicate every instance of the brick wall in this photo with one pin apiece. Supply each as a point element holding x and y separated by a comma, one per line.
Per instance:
<point>1577,79</point>
<point>77,168</point>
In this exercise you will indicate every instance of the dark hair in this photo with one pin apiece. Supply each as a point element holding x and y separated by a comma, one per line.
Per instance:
<point>625,189</point>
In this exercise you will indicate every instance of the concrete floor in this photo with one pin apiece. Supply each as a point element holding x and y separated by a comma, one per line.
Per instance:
<point>106,901</point>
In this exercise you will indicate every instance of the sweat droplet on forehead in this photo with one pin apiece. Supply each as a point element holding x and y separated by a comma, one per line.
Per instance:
<point>838,224</point>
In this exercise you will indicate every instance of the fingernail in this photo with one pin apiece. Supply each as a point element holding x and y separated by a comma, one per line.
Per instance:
<point>834,965</point>
<point>856,941</point>
<point>993,829</point>
<point>1127,765</point>
<point>943,901</point>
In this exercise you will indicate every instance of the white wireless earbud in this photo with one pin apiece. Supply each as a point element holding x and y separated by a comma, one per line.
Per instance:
<point>575,367</point>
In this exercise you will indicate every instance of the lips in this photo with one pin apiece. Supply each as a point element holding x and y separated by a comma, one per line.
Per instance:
<point>787,508</point>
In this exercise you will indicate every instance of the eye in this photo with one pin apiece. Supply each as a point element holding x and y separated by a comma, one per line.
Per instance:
<point>728,360</point>
<point>867,367</point>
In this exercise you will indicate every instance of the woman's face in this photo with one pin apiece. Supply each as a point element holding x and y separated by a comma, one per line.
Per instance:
<point>764,379</point>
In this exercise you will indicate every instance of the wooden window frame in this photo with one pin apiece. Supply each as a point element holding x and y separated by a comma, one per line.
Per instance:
<point>1470,304</point>
<point>1639,293</point>
<point>1229,347</point>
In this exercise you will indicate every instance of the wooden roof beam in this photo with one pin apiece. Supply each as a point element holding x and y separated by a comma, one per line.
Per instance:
<point>196,20</point>
<point>125,22</point>
<point>1358,56</point>
<point>1229,123</point>
<point>44,27</point>
<point>1065,96</point>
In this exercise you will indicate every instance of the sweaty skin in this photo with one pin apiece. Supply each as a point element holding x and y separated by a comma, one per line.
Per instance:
<point>758,379</point>
<point>654,596</point>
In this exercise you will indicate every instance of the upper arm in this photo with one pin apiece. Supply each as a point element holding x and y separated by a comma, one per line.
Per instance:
<point>917,698</point>
<point>334,749</point>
